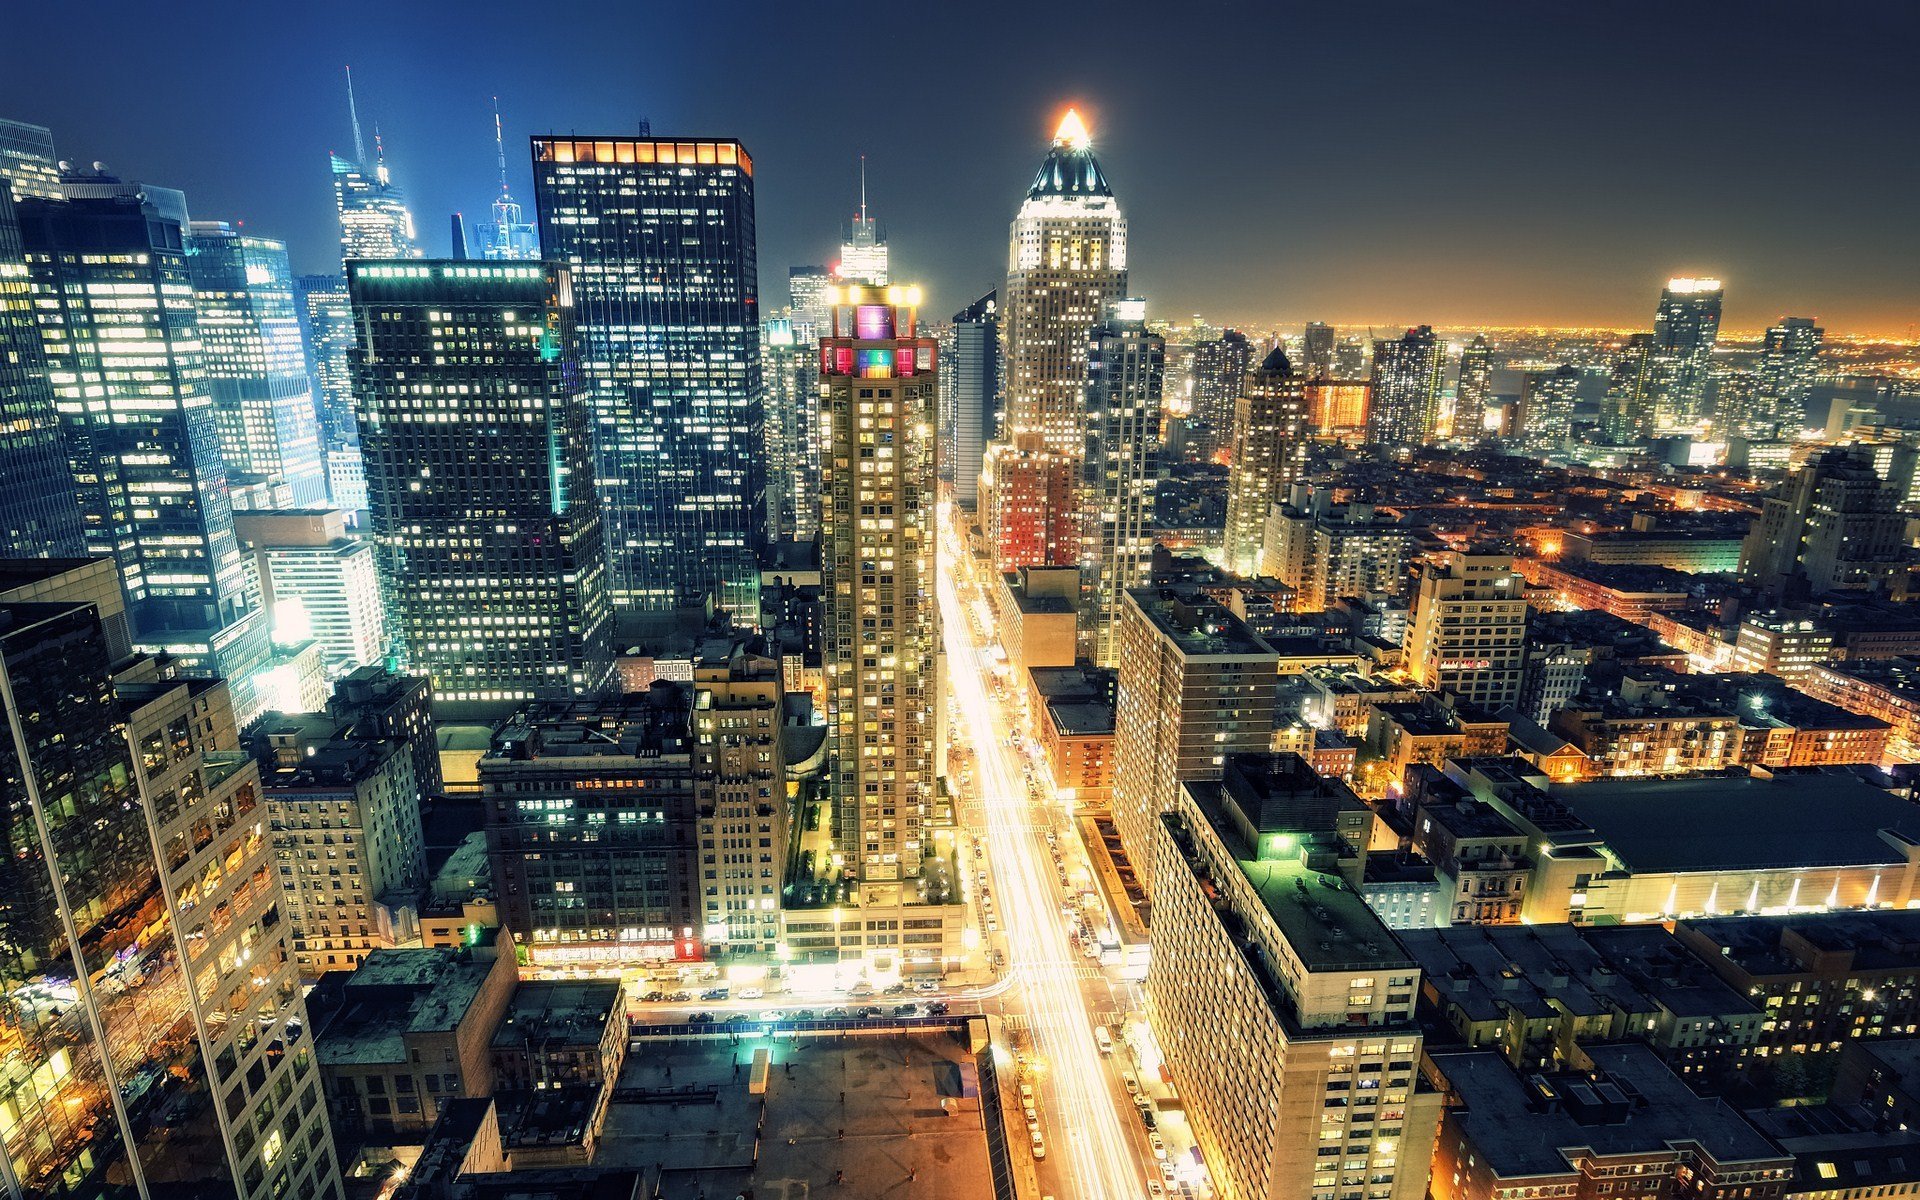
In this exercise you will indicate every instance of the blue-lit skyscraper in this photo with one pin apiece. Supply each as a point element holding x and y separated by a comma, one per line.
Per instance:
<point>374,219</point>
<point>972,383</point>
<point>659,236</point>
<point>38,511</point>
<point>326,324</point>
<point>256,365</point>
<point>111,286</point>
<point>509,235</point>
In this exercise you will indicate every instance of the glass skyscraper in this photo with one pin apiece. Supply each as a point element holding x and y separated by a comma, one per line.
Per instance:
<point>1685,328</point>
<point>256,365</point>
<point>326,323</point>
<point>474,431</point>
<point>1126,371</point>
<point>659,237</point>
<point>971,380</point>
<point>111,286</point>
<point>1407,373</point>
<point>38,511</point>
<point>793,432</point>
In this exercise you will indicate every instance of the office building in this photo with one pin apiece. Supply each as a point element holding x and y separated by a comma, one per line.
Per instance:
<point>1282,1004</point>
<point>1033,514</point>
<point>740,799</point>
<point>1473,395</point>
<point>256,367</point>
<point>27,160</point>
<point>1327,551</point>
<point>1270,433</point>
<point>1624,1121</point>
<point>375,702</point>
<point>1544,419</point>
<point>1627,412</point>
<point>792,432</point>
<point>1685,328</point>
<point>374,219</point>
<point>807,301</point>
<point>158,1039</point>
<point>592,830</point>
<point>1337,406</point>
<point>39,510</point>
<point>480,479</point>
<point>326,325</point>
<point>1789,359</point>
<point>971,378</point>
<point>1195,685</point>
<point>1468,623</point>
<point>344,811</point>
<point>1779,644</point>
<point>877,564</point>
<point>863,254</point>
<point>317,582</point>
<point>1066,261</point>
<point>1407,376</point>
<point>1126,370</point>
<point>1218,370</point>
<point>108,267</point>
<point>1316,351</point>
<point>1834,525</point>
<point>659,236</point>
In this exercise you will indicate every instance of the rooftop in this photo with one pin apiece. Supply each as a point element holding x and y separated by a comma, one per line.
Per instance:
<point>1630,1105</point>
<point>569,1013</point>
<point>1876,940</point>
<point>366,1018</point>
<point>1738,821</point>
<point>646,724</point>
<point>1080,718</point>
<point>1197,625</point>
<point>1636,578</point>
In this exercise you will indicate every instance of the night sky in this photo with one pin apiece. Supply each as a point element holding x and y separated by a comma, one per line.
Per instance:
<point>1547,163</point>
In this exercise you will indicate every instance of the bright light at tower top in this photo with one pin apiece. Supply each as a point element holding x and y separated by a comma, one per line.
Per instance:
<point>1684,286</point>
<point>1073,131</point>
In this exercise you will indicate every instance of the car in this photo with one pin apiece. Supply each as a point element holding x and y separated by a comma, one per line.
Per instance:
<point>802,1014</point>
<point>653,997</point>
<point>738,1019</point>
<point>894,989</point>
<point>679,997</point>
<point>906,1010</point>
<point>868,1012</point>
<point>1026,1091</point>
<point>699,1018</point>
<point>1148,1119</point>
<point>1039,1147</point>
<point>1154,1190</point>
<point>863,988</point>
<point>773,1014</point>
<point>1142,1102</point>
<point>1033,1121</point>
<point>1166,1170</point>
<point>1130,1083</point>
<point>719,993</point>
<point>1159,1145</point>
<point>752,993</point>
<point>836,1014</point>
<point>938,1008</point>
<point>927,985</point>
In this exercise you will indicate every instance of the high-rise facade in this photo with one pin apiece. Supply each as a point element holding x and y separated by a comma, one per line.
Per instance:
<point>1407,374</point>
<point>326,325</point>
<point>1468,628</point>
<point>1219,373</point>
<point>1033,505</point>
<point>1316,350</point>
<point>659,237</point>
<point>1195,685</point>
<point>1835,525</point>
<point>1066,261</point>
<point>740,799</point>
<point>1326,551</point>
<point>318,583</point>
<point>1626,414</point>
<point>27,160</point>
<point>1685,327</point>
<point>158,1041</point>
<point>1788,360</point>
<point>878,390</point>
<point>971,378</point>
<point>1544,420</point>
<point>1270,436</point>
<point>111,285</point>
<point>1474,393</point>
<point>474,427</point>
<point>792,431</point>
<point>863,254</point>
<point>256,365</point>
<point>39,513</point>
<point>1126,368</point>
<point>807,301</point>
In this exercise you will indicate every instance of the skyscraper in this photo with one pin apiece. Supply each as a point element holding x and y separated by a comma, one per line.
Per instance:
<point>108,269</point>
<point>1316,351</point>
<point>1219,373</point>
<point>509,235</point>
<point>1626,413</point>
<point>877,564</point>
<point>1685,328</point>
<point>1126,367</point>
<point>1544,420</point>
<point>1468,626</point>
<point>863,255</point>
<point>256,367</point>
<point>1033,505</point>
<point>659,236</point>
<point>1834,525</point>
<point>326,324</point>
<point>1270,433</point>
<point>1475,390</point>
<point>1788,361</point>
<point>39,514</point>
<point>792,431</point>
<point>971,377</point>
<point>1066,261</point>
<point>1407,373</point>
<point>480,479</point>
<point>374,219</point>
<point>807,301</point>
<point>157,1040</point>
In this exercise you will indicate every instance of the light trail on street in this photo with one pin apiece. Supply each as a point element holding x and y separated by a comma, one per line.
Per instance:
<point>1098,1161</point>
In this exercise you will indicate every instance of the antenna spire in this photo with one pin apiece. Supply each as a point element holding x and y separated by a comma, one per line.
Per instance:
<point>863,189</point>
<point>500,146</point>
<point>359,147</point>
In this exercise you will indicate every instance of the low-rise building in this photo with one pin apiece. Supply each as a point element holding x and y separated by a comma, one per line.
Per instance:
<point>1631,593</point>
<point>1693,551</point>
<point>1698,633</point>
<point>1649,726</point>
<point>1621,1123</point>
<point>557,1034</point>
<point>1773,643</point>
<point>1039,610</point>
<point>1886,690</point>
<point>1479,860</point>
<point>1428,731</point>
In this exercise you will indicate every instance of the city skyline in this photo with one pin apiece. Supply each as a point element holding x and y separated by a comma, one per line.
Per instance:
<point>1582,231</point>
